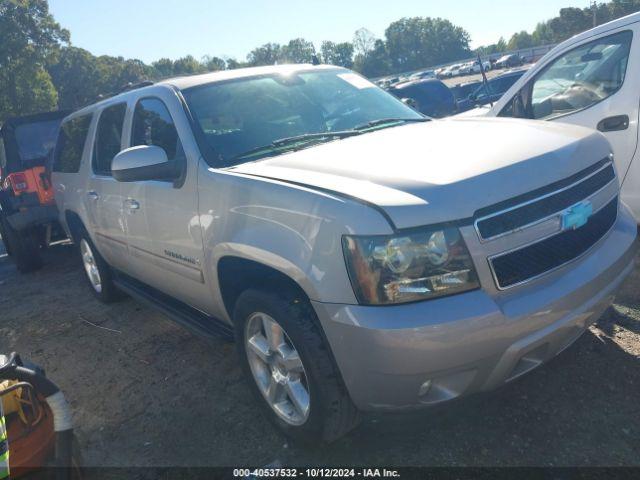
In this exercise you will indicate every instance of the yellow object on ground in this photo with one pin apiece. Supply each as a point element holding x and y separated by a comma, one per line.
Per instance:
<point>4,447</point>
<point>10,401</point>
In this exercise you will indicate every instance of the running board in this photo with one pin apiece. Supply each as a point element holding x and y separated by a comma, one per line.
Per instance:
<point>192,319</point>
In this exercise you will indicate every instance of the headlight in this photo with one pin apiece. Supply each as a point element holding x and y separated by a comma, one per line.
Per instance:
<point>415,266</point>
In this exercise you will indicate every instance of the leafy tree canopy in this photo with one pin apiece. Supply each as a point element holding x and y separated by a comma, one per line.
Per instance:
<point>29,36</point>
<point>417,42</point>
<point>340,54</point>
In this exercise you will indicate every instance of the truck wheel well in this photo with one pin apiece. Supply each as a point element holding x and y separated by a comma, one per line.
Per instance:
<point>235,275</point>
<point>74,223</point>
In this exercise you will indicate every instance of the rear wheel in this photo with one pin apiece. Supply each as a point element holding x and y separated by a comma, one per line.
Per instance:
<point>97,271</point>
<point>289,367</point>
<point>23,247</point>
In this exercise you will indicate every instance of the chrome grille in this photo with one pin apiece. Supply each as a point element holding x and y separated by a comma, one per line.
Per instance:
<point>526,213</point>
<point>535,233</point>
<point>524,264</point>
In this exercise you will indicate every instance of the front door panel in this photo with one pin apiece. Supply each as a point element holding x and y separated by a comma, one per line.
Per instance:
<point>163,226</point>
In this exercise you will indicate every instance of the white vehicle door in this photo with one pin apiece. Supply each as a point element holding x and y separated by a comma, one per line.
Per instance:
<point>593,83</point>
<point>103,195</point>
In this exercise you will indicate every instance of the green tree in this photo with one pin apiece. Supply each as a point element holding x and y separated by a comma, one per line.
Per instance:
<point>213,64</point>
<point>570,22</point>
<point>29,36</point>
<point>340,54</point>
<point>542,35</point>
<point>418,42</point>
<point>297,50</point>
<point>164,67</point>
<point>376,62</point>
<point>498,47</point>
<point>363,42</point>
<point>76,77</point>
<point>187,66</point>
<point>232,64</point>
<point>520,40</point>
<point>619,8</point>
<point>267,54</point>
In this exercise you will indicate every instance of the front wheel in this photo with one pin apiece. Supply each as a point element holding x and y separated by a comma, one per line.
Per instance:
<point>289,367</point>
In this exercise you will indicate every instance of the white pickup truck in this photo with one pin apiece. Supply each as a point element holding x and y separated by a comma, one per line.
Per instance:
<point>593,80</point>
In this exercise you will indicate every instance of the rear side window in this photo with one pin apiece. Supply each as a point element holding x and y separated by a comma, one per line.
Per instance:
<point>71,139</point>
<point>153,125</point>
<point>108,138</point>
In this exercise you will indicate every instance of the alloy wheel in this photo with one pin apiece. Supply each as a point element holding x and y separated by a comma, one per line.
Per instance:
<point>90,266</point>
<point>277,368</point>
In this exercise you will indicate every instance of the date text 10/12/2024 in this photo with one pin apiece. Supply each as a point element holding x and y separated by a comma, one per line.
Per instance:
<point>315,473</point>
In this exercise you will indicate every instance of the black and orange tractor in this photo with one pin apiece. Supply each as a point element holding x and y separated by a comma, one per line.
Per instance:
<point>28,215</point>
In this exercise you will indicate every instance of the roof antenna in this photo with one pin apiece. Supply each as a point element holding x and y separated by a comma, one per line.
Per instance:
<point>485,82</point>
<point>315,60</point>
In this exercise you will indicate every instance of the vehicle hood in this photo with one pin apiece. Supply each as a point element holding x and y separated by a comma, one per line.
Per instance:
<point>443,170</point>
<point>480,111</point>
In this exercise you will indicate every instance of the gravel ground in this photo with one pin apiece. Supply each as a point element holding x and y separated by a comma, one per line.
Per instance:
<point>145,392</point>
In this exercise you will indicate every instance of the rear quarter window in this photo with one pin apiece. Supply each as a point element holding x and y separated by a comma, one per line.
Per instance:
<point>70,145</point>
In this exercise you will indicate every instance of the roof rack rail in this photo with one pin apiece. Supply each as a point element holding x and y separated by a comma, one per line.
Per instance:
<point>134,86</point>
<point>125,88</point>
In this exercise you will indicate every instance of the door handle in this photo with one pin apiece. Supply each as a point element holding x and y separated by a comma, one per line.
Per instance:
<point>93,195</point>
<point>132,204</point>
<point>614,124</point>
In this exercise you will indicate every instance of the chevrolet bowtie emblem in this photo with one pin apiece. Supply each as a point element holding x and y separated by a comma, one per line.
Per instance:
<point>576,215</point>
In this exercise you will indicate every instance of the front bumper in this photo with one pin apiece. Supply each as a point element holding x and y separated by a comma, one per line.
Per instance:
<point>407,356</point>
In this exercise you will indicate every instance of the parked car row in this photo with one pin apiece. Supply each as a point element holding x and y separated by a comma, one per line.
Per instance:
<point>460,69</point>
<point>434,99</point>
<point>363,256</point>
<point>492,91</point>
<point>454,70</point>
<point>429,97</point>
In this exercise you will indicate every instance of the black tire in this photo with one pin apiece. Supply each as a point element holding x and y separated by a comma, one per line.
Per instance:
<point>332,414</point>
<point>23,247</point>
<point>107,292</point>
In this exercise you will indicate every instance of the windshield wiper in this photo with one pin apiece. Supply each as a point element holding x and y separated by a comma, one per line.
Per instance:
<point>299,141</point>
<point>296,141</point>
<point>389,121</point>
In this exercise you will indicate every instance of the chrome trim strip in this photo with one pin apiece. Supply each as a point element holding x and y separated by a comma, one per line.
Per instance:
<point>530,279</point>
<point>537,199</point>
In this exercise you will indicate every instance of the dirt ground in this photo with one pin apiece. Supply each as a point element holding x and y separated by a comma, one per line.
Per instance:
<point>145,392</point>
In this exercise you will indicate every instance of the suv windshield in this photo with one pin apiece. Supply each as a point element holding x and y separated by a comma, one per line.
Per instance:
<point>253,117</point>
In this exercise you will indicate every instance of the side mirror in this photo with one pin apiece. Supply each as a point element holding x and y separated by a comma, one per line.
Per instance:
<point>144,162</point>
<point>410,102</point>
<point>519,110</point>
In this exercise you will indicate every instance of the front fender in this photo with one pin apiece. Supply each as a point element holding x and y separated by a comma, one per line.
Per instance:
<point>292,229</point>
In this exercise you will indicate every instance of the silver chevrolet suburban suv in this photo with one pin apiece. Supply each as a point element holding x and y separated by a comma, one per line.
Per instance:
<point>363,256</point>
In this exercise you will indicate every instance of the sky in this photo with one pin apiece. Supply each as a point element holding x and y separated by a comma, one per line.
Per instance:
<point>152,29</point>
